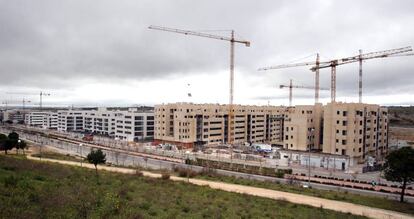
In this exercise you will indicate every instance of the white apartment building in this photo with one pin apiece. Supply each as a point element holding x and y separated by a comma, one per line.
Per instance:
<point>133,125</point>
<point>70,120</point>
<point>47,120</point>
<point>14,115</point>
<point>36,119</point>
<point>100,121</point>
<point>51,121</point>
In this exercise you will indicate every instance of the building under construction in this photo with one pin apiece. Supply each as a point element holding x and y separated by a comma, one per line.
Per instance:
<point>353,129</point>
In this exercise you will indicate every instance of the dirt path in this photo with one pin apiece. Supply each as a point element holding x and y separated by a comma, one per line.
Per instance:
<point>267,193</point>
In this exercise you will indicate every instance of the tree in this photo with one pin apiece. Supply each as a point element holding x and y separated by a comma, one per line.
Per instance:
<point>21,145</point>
<point>96,157</point>
<point>3,139</point>
<point>399,167</point>
<point>11,142</point>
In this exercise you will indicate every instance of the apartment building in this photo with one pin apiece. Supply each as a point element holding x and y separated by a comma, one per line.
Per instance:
<point>100,121</point>
<point>303,128</point>
<point>355,129</point>
<point>43,119</point>
<point>71,120</point>
<point>128,124</point>
<point>35,118</point>
<point>134,125</point>
<point>190,125</point>
<point>14,115</point>
<point>51,120</point>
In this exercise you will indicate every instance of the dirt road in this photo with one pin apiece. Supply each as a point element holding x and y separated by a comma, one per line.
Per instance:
<point>266,193</point>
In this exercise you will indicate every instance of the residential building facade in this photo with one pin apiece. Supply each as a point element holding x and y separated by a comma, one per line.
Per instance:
<point>355,129</point>
<point>189,125</point>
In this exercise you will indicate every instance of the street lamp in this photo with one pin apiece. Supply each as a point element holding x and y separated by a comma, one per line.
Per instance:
<point>80,150</point>
<point>18,143</point>
<point>309,156</point>
<point>188,157</point>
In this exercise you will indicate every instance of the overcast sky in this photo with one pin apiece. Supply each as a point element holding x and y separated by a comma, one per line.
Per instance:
<point>101,53</point>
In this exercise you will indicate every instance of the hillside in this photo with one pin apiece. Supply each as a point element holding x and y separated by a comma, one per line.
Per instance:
<point>401,116</point>
<point>32,189</point>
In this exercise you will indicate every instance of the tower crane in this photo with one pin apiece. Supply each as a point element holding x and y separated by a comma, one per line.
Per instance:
<point>41,95</point>
<point>313,64</point>
<point>232,41</point>
<point>335,62</point>
<point>359,58</point>
<point>291,86</point>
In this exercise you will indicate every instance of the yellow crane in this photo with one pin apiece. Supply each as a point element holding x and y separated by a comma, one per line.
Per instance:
<point>232,40</point>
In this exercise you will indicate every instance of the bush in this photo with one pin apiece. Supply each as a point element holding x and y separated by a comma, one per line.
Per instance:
<point>138,173</point>
<point>165,176</point>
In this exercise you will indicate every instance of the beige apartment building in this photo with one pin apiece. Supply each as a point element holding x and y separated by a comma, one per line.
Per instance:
<point>303,127</point>
<point>188,125</point>
<point>355,129</point>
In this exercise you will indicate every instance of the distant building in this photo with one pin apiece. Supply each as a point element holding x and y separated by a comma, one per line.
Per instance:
<point>43,119</point>
<point>35,118</point>
<point>128,124</point>
<point>14,115</point>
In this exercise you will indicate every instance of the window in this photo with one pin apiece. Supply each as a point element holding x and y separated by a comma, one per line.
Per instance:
<point>344,123</point>
<point>343,132</point>
<point>344,113</point>
<point>343,142</point>
<point>338,112</point>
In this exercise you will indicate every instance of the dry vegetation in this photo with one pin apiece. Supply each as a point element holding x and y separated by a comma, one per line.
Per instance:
<point>31,189</point>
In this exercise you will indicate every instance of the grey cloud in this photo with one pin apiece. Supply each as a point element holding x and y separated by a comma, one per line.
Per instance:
<point>54,44</point>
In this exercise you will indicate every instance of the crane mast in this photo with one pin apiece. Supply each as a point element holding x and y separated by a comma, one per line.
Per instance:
<point>41,94</point>
<point>291,86</point>
<point>316,66</point>
<point>313,64</point>
<point>232,40</point>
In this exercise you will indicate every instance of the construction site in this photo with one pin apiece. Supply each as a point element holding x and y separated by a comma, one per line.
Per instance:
<point>356,131</point>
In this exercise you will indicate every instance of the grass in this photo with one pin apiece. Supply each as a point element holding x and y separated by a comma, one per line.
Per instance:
<point>371,201</point>
<point>57,156</point>
<point>32,189</point>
